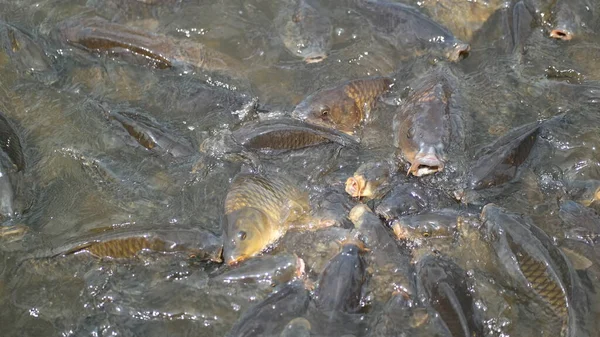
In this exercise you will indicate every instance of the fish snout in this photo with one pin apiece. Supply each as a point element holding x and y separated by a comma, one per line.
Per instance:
<point>459,51</point>
<point>315,58</point>
<point>427,162</point>
<point>355,186</point>
<point>561,33</point>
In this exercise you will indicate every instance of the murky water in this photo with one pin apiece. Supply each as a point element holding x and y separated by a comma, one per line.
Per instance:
<point>86,173</point>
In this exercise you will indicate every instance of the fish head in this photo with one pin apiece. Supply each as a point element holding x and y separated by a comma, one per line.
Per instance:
<point>571,19</point>
<point>246,235</point>
<point>330,108</point>
<point>307,33</point>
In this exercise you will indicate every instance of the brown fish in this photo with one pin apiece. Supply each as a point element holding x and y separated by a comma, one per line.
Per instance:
<point>369,179</point>
<point>259,211</point>
<point>424,125</point>
<point>344,107</point>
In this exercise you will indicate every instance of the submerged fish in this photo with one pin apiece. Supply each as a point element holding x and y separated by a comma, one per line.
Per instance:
<point>305,31</point>
<point>150,135</point>
<point>407,29</point>
<point>12,163</point>
<point>583,222</point>
<point>128,242</point>
<point>343,107</point>
<point>258,212</point>
<point>298,327</point>
<point>410,198</point>
<point>443,285</point>
<point>369,179</point>
<point>498,162</point>
<point>585,192</point>
<point>95,34</point>
<point>284,134</point>
<point>530,266</point>
<point>340,287</point>
<point>570,18</point>
<point>273,270</point>
<point>269,317</point>
<point>26,53</point>
<point>425,124</point>
<point>432,225</point>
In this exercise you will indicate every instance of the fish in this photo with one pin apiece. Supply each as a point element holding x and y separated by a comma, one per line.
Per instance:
<point>126,243</point>
<point>519,23</point>
<point>369,179</point>
<point>149,135</point>
<point>269,317</point>
<point>498,162</point>
<point>276,136</point>
<point>432,225</point>
<point>571,19</point>
<point>407,29</point>
<point>443,285</point>
<point>343,107</point>
<point>98,35</point>
<point>403,199</point>
<point>10,144</point>
<point>340,285</point>
<point>271,269</point>
<point>12,165</point>
<point>584,192</point>
<point>425,124</point>
<point>298,327</point>
<point>529,265</point>
<point>259,211</point>
<point>391,264</point>
<point>304,30</point>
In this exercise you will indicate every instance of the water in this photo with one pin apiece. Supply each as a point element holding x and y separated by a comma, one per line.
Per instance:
<point>85,173</point>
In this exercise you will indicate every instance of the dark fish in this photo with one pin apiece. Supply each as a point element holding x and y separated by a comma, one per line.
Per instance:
<point>432,225</point>
<point>520,24</point>
<point>269,317</point>
<point>583,222</point>
<point>258,212</point>
<point>443,285</point>
<point>369,179</point>
<point>11,145</point>
<point>529,264</point>
<point>278,135</point>
<point>273,270</point>
<point>95,34</point>
<point>340,286</point>
<point>403,199</point>
<point>407,29</point>
<point>150,135</point>
<point>298,327</point>
<point>128,242</point>
<point>401,316</point>
<point>498,162</point>
<point>571,18</point>
<point>425,124</point>
<point>391,264</point>
<point>343,107</point>
<point>305,31</point>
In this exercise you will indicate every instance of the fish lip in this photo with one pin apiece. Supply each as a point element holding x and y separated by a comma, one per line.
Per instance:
<point>459,51</point>
<point>234,261</point>
<point>561,34</point>
<point>426,163</point>
<point>315,58</point>
<point>355,186</point>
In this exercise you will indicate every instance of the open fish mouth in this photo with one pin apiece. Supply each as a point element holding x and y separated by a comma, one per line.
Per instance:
<point>425,164</point>
<point>561,34</point>
<point>355,186</point>
<point>315,58</point>
<point>459,51</point>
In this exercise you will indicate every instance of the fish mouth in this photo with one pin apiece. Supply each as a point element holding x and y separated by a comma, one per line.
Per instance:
<point>301,267</point>
<point>561,34</point>
<point>234,261</point>
<point>426,163</point>
<point>315,58</point>
<point>400,230</point>
<point>459,51</point>
<point>355,186</point>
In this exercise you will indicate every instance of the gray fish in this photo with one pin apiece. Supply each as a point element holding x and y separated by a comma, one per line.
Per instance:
<point>520,26</point>
<point>340,287</point>
<point>584,192</point>
<point>407,29</point>
<point>583,222</point>
<point>269,317</point>
<point>273,270</point>
<point>431,225</point>
<point>571,18</point>
<point>498,162</point>
<point>305,31</point>
<point>298,327</point>
<point>443,285</point>
<point>403,199</point>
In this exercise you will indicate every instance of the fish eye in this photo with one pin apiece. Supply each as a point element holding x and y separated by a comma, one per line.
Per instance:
<point>242,235</point>
<point>324,112</point>
<point>426,234</point>
<point>411,132</point>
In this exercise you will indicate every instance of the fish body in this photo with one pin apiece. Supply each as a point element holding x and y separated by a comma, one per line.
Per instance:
<point>529,264</point>
<point>305,31</point>
<point>583,222</point>
<point>403,199</point>
<point>584,192</point>
<point>498,162</point>
<point>425,125</point>
<point>269,317</point>
<point>407,29</point>
<point>286,134</point>
<point>343,107</point>
<point>369,179</point>
<point>26,53</point>
<point>431,225</point>
<point>258,212</point>
<point>340,288</point>
<point>298,327</point>
<point>273,270</point>
<point>443,285</point>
